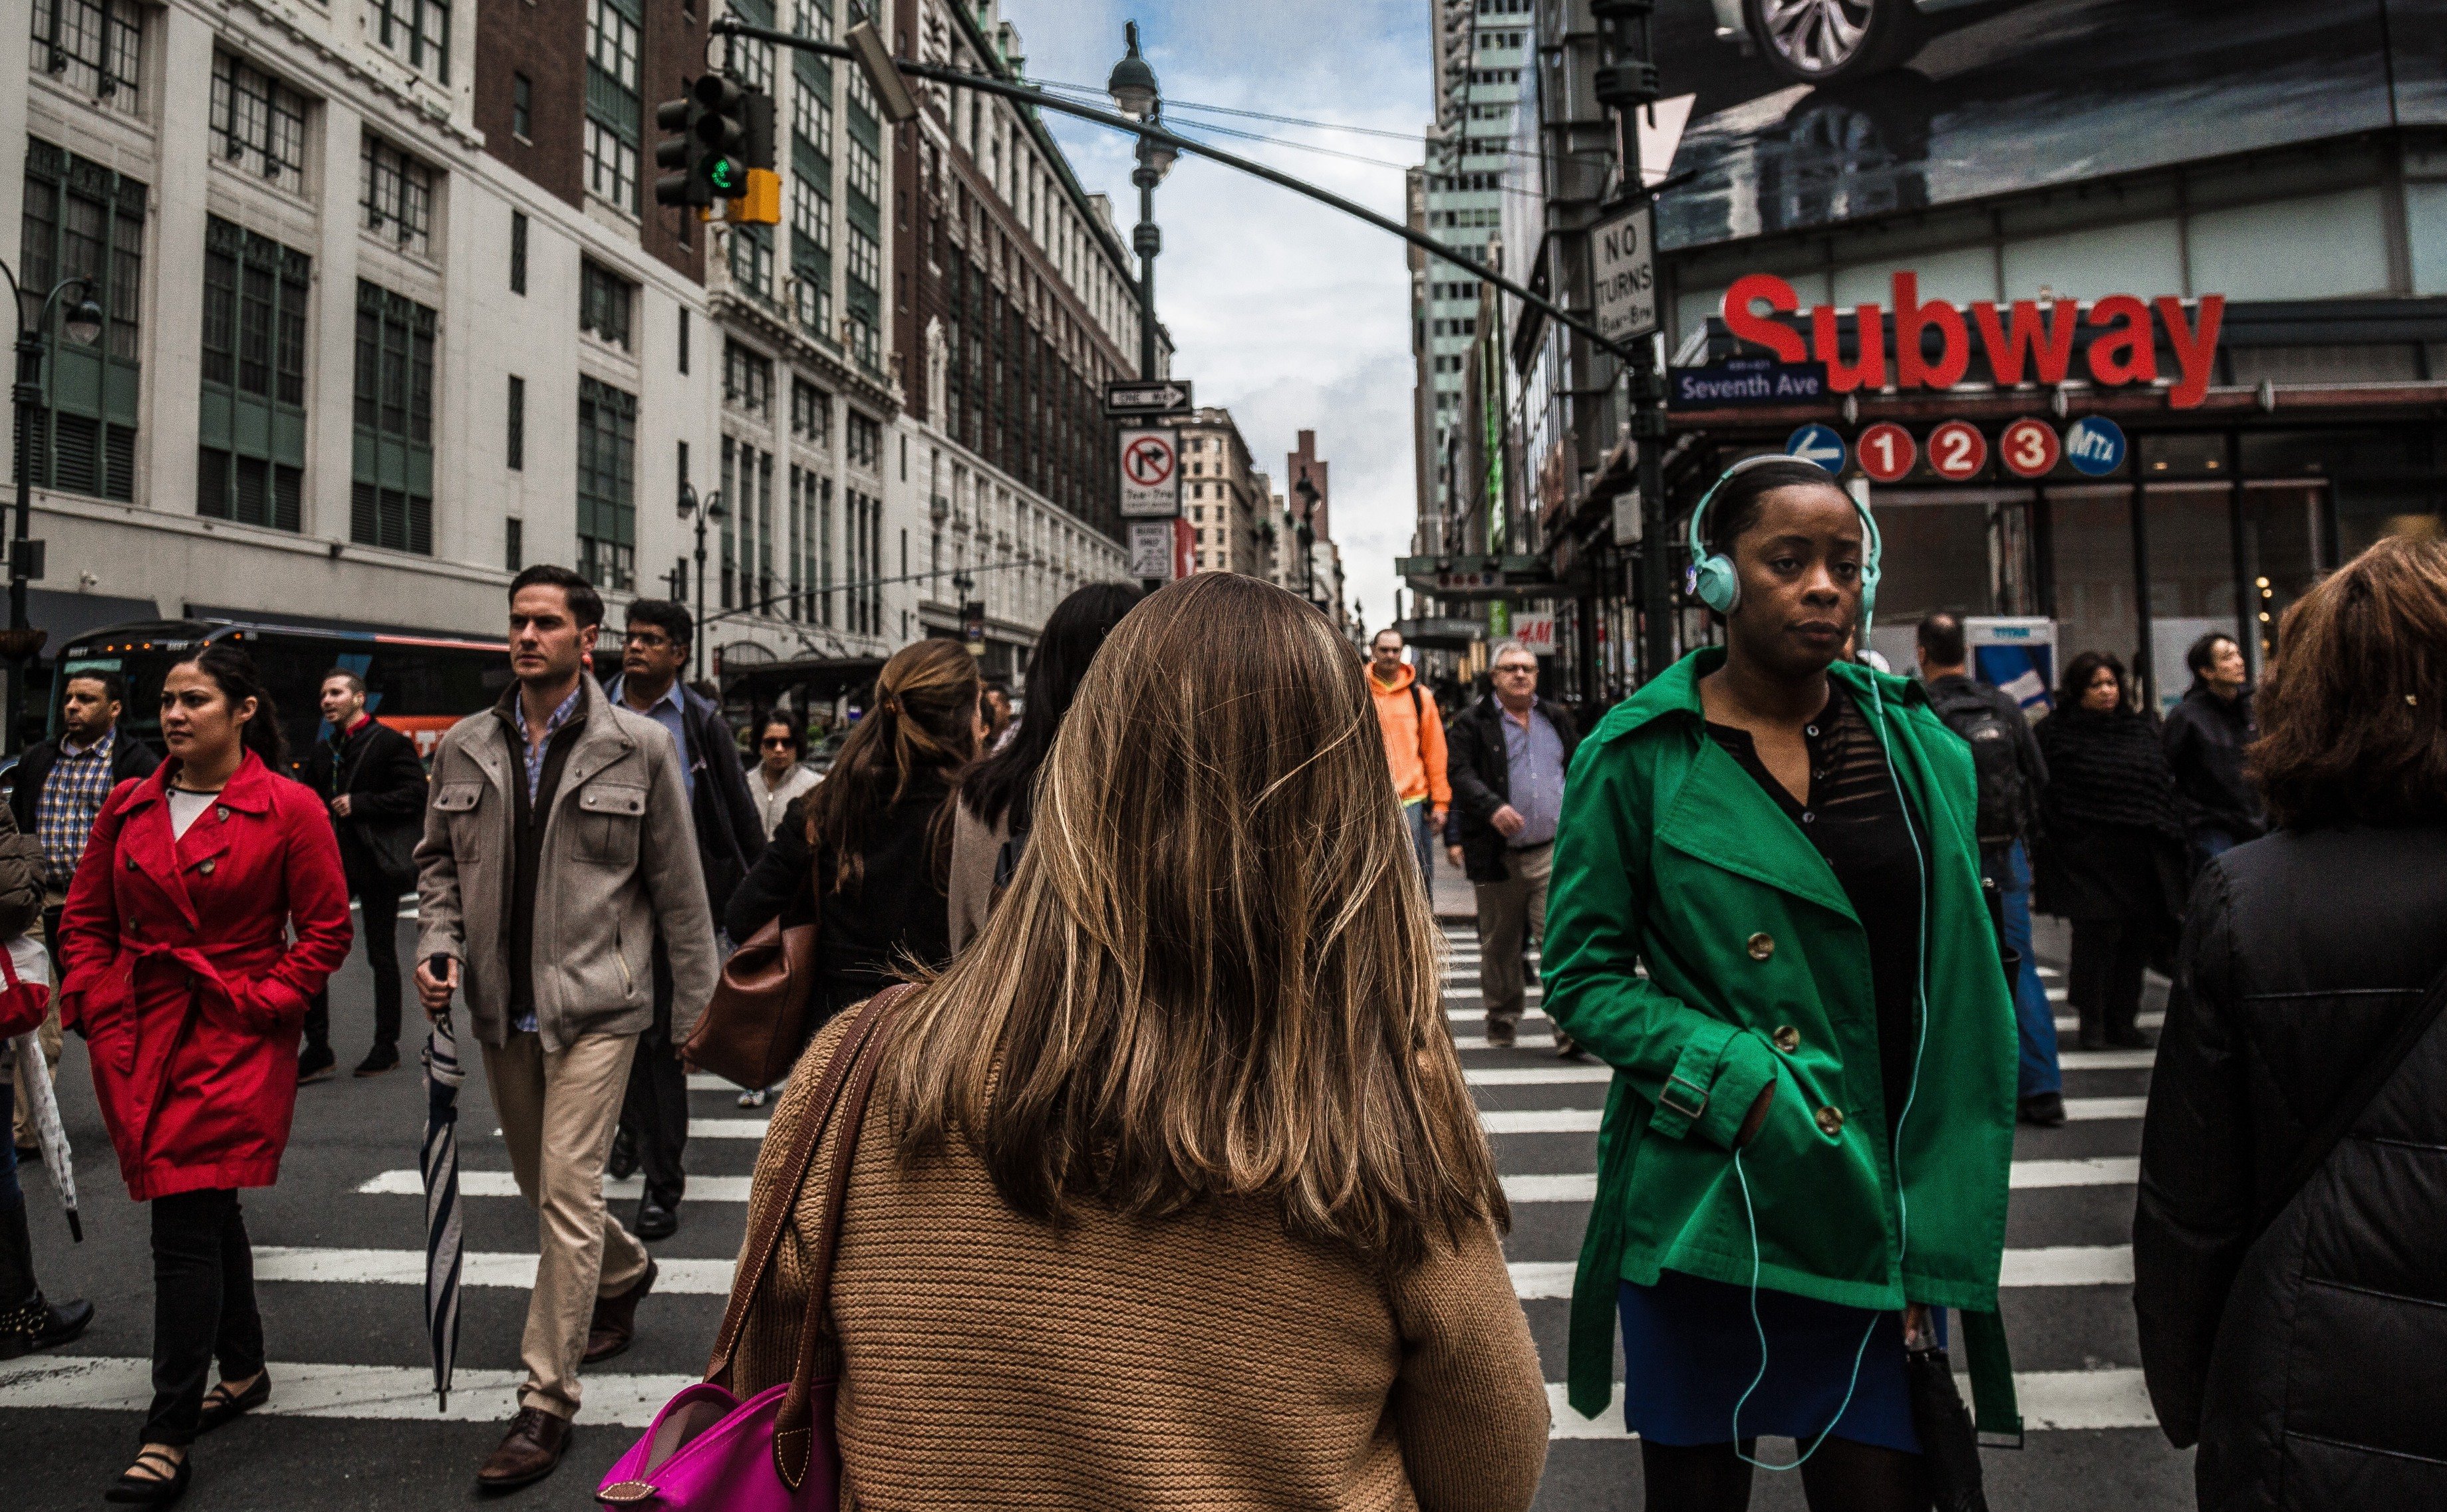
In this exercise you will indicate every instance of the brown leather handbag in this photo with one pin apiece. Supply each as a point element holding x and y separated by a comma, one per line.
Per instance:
<point>756,1022</point>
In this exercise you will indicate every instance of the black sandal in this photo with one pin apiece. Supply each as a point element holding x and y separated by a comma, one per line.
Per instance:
<point>152,1491</point>
<point>222,1405</point>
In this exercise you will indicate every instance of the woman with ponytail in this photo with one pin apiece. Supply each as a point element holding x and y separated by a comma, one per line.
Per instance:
<point>180,972</point>
<point>870,849</point>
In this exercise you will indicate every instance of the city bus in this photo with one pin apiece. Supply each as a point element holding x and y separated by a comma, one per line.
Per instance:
<point>418,685</point>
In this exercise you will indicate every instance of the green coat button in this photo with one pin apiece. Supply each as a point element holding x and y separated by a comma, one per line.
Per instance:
<point>1788,1039</point>
<point>1761,946</point>
<point>1831,1121</point>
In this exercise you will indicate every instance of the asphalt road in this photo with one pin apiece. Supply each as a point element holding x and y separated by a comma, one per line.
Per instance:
<point>339,1254</point>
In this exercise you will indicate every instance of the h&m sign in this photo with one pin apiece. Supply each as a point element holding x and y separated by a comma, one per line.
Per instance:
<point>2119,338</point>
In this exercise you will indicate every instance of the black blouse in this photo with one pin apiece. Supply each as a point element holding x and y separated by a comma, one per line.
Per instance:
<point>1854,816</point>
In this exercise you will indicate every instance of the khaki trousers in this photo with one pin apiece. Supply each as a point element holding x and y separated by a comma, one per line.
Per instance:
<point>558,1112</point>
<point>1507,911</point>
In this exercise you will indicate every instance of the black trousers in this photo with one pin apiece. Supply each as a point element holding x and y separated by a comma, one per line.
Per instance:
<point>203,1307</point>
<point>655,1112</point>
<point>378,902</point>
<point>2103,979</point>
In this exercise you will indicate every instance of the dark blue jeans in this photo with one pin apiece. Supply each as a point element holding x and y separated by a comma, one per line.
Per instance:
<point>2035,1017</point>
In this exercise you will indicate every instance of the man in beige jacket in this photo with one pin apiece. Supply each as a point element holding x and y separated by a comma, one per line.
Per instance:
<point>558,847</point>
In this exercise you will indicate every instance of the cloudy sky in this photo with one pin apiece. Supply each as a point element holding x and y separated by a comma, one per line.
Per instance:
<point>1293,315</point>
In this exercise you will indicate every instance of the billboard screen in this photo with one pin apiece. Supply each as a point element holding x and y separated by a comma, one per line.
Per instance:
<point>1939,102</point>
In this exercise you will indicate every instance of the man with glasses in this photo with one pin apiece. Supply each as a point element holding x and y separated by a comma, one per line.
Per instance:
<point>729,838</point>
<point>1508,754</point>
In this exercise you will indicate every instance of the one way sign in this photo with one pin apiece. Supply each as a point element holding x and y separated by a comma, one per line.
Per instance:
<point>1131,398</point>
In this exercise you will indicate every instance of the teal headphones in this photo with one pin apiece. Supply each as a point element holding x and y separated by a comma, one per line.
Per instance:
<point>1712,578</point>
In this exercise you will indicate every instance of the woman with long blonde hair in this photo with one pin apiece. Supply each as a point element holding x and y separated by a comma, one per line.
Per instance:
<point>1169,1192</point>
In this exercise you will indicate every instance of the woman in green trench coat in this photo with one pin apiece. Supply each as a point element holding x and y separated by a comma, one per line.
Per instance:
<point>1767,917</point>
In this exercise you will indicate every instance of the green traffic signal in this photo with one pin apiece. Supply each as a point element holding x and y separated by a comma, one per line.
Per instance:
<point>724,176</point>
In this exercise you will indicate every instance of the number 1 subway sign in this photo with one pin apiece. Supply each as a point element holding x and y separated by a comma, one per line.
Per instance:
<point>1887,452</point>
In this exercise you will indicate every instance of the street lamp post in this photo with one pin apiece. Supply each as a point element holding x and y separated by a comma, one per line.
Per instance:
<point>711,515</point>
<point>1135,95</point>
<point>84,324</point>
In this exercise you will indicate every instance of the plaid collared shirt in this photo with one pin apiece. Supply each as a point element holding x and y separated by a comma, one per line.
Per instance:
<point>73,793</point>
<point>532,751</point>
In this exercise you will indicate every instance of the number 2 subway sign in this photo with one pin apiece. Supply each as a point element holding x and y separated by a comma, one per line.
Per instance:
<point>2119,339</point>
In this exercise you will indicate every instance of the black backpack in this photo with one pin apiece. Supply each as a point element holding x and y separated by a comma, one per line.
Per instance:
<point>2004,800</point>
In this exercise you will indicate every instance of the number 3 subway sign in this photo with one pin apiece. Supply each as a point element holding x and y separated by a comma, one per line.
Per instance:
<point>2022,345</point>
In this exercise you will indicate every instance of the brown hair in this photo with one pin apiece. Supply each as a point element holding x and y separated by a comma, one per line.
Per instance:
<point>922,726</point>
<point>2353,715</point>
<point>1215,976</point>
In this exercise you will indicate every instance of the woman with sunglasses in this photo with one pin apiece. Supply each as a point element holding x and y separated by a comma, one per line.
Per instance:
<point>782,773</point>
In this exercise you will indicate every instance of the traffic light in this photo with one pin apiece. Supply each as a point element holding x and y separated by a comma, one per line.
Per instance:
<point>721,131</point>
<point>759,199</point>
<point>680,153</point>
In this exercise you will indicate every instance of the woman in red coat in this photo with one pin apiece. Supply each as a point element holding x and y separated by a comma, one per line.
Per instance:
<point>180,972</point>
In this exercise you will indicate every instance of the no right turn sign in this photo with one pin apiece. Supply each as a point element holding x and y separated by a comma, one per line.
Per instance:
<point>1150,474</point>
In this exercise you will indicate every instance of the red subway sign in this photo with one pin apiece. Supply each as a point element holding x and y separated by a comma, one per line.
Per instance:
<point>2024,345</point>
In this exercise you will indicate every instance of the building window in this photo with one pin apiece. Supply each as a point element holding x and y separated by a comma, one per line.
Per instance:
<point>259,124</point>
<point>90,45</point>
<point>83,220</point>
<point>751,260</point>
<point>865,441</point>
<point>747,380</point>
<point>607,473</point>
<point>391,498</point>
<point>613,111</point>
<point>811,263</point>
<point>523,107</point>
<point>252,439</point>
<point>518,251</point>
<point>517,425</point>
<point>398,195</point>
<point>684,338</point>
<point>514,544</point>
<point>418,31</point>
<point>603,300</point>
<point>810,414</point>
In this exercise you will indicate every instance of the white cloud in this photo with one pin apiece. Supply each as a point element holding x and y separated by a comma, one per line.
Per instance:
<point>1291,313</point>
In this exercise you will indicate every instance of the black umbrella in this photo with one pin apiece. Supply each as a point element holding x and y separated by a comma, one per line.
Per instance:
<point>444,1238</point>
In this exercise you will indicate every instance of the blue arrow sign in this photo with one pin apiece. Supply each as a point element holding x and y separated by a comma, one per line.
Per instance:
<point>1818,443</point>
<point>2094,445</point>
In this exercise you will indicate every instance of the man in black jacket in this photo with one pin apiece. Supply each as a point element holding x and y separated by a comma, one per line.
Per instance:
<point>1506,756</point>
<point>2206,737</point>
<point>729,838</point>
<point>60,785</point>
<point>368,776</point>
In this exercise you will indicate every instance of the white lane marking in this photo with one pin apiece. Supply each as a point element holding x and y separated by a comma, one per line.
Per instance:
<point>2024,1176</point>
<point>279,1262</point>
<point>2062,1265</point>
<point>2049,1400</point>
<point>112,1384</point>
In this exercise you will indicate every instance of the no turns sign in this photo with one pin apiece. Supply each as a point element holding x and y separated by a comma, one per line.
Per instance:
<point>1150,474</point>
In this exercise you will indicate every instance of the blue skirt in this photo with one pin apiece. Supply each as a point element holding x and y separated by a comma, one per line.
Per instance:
<point>1690,1350</point>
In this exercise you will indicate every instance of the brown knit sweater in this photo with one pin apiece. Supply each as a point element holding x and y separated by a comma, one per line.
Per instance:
<point>988,1360</point>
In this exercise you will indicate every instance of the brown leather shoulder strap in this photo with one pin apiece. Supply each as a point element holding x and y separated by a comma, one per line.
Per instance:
<point>793,1428</point>
<point>765,1239</point>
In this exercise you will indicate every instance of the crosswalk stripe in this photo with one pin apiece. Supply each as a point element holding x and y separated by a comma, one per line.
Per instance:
<point>1532,1281</point>
<point>2106,1060</point>
<point>117,1384</point>
<point>2062,1265</point>
<point>1577,1187</point>
<point>2050,1400</point>
<point>1557,1075</point>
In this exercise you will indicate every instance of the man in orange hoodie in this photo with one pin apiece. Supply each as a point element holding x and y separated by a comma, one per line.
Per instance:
<point>1415,745</point>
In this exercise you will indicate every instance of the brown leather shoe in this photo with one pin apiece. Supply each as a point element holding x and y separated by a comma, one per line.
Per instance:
<point>616,1319</point>
<point>531,1451</point>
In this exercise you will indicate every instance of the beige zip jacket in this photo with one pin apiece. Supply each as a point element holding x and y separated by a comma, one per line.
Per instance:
<point>619,868</point>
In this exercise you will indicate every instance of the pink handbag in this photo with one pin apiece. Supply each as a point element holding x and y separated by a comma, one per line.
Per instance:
<point>707,1450</point>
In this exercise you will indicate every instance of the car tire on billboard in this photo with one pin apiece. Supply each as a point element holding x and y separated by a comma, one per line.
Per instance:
<point>1825,42</point>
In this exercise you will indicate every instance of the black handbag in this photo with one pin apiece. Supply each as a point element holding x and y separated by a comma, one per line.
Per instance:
<point>389,846</point>
<point>1949,1449</point>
